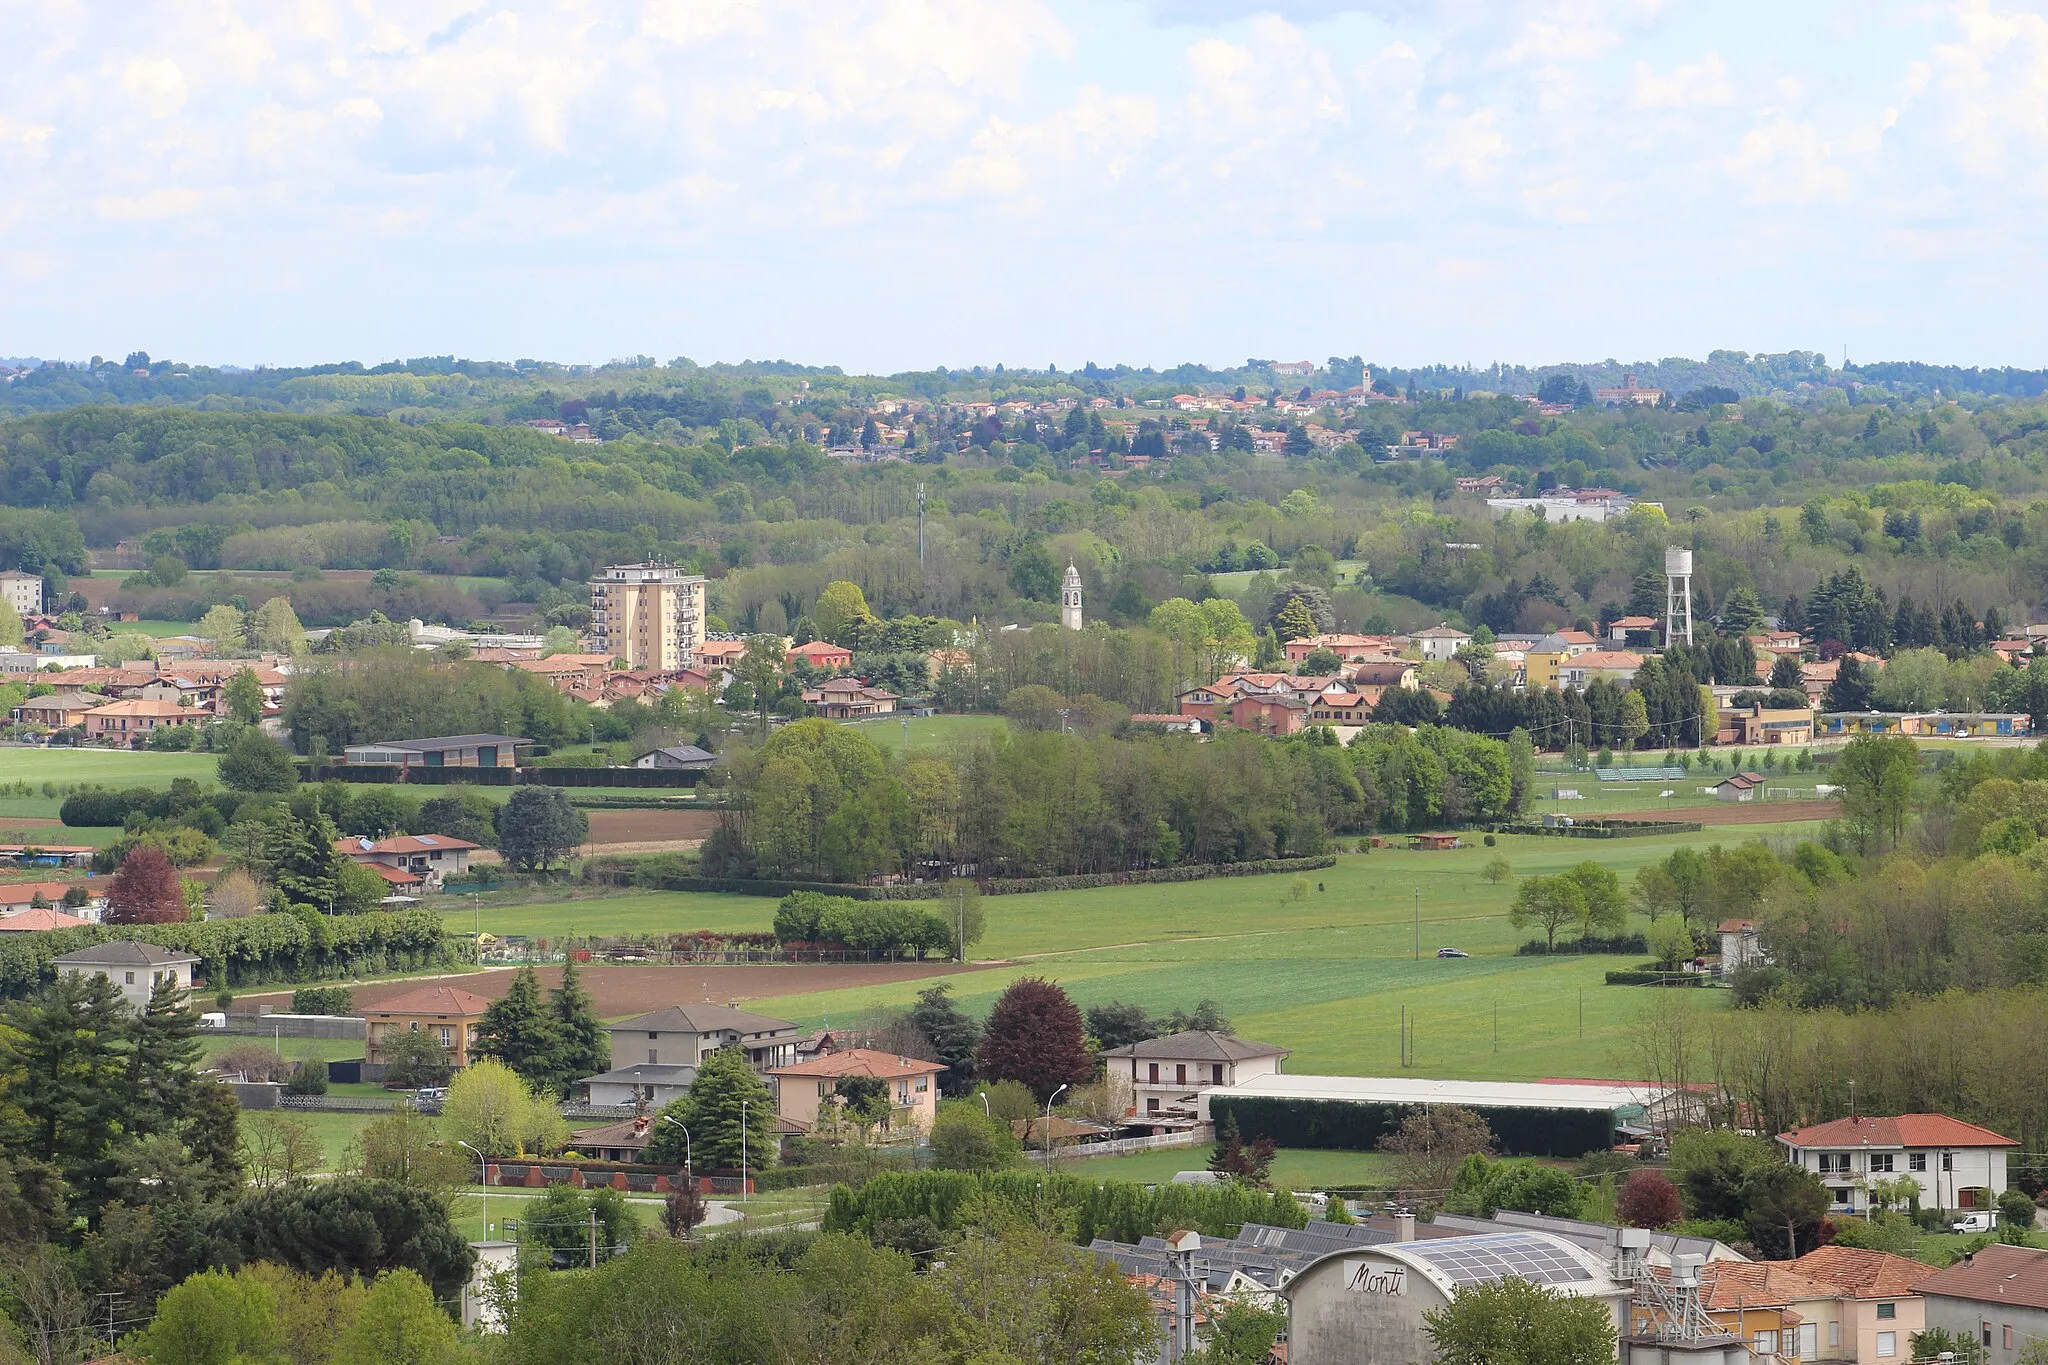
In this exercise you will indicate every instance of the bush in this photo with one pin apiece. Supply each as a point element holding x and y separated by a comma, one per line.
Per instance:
<point>1489,841</point>
<point>1652,977</point>
<point>1346,1126</point>
<point>1623,943</point>
<point>308,1078</point>
<point>2016,1209</point>
<point>332,1000</point>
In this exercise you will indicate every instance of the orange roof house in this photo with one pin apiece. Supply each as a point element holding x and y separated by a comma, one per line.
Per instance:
<point>448,1015</point>
<point>821,654</point>
<point>802,1091</point>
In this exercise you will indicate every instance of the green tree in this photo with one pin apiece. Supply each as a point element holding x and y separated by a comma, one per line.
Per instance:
<point>349,1225</point>
<point>539,827</point>
<point>519,1030</point>
<point>583,1047</point>
<point>1497,870</point>
<point>1878,776</point>
<point>491,1108</point>
<point>963,1138</point>
<point>1784,1207</point>
<point>405,1146</point>
<point>214,1318</point>
<point>256,762</point>
<point>243,697</point>
<point>460,812</point>
<point>11,630</point>
<point>1295,621</point>
<point>726,1089</point>
<point>274,628</point>
<point>65,1053</point>
<point>1552,902</point>
<point>1241,1334</point>
<point>952,1032</point>
<point>307,865</point>
<point>399,1323</point>
<point>413,1058</point>
<point>1519,1322</point>
<point>841,612</point>
<point>225,626</point>
<point>1602,904</point>
<point>1020,1294</point>
<point>1742,613</point>
<point>760,671</point>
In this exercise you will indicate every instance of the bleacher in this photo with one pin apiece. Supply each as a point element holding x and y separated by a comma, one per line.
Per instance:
<point>1639,774</point>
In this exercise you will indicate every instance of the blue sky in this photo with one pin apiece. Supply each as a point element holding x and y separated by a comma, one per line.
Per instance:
<point>888,184</point>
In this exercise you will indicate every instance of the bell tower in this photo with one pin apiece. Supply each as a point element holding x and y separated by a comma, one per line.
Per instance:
<point>1070,599</point>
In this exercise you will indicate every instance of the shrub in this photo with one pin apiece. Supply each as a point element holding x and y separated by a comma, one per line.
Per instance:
<point>308,1078</point>
<point>333,1000</point>
<point>2016,1209</point>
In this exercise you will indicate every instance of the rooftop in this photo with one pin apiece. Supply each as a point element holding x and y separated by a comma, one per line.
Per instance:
<point>444,742</point>
<point>1995,1274</point>
<point>124,952</point>
<point>861,1061</point>
<point>434,1000</point>
<point>1865,1274</point>
<point>1906,1130</point>
<point>405,843</point>
<point>1198,1045</point>
<point>701,1018</point>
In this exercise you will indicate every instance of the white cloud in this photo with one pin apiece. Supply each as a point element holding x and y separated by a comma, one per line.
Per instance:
<point>1784,161</point>
<point>1699,84</point>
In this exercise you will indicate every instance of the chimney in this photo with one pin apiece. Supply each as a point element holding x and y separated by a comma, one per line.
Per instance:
<point>1404,1227</point>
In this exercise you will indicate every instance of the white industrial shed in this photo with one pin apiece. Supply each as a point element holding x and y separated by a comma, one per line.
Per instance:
<point>1625,1102</point>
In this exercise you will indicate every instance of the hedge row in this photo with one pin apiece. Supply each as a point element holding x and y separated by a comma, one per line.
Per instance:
<point>1592,943</point>
<point>1120,1210</point>
<point>1656,978</point>
<point>1355,1126</point>
<point>675,872</point>
<point>258,950</point>
<point>1625,829</point>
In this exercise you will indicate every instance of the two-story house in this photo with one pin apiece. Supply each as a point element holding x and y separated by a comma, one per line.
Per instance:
<point>134,968</point>
<point>430,856</point>
<point>1165,1074</point>
<point>684,1035</point>
<point>1956,1165</point>
<point>1997,1296</point>
<point>451,1017</point>
<point>805,1090</point>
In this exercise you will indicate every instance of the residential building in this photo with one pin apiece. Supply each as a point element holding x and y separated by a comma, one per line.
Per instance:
<point>1568,504</point>
<point>1630,394</point>
<point>822,655</point>
<point>684,1035</point>
<point>1439,642</point>
<point>1385,673</point>
<point>22,895</point>
<point>1997,1296</point>
<point>1267,715</point>
<point>1957,1165</point>
<point>58,711</point>
<point>1742,945</point>
<point>649,615</point>
<point>131,719</point>
<point>23,592</point>
<point>134,967</point>
<point>805,1090</point>
<point>1614,665</point>
<point>449,1016</point>
<point>1621,628</point>
<point>37,919</point>
<point>677,758</point>
<point>1167,1073</point>
<point>1799,1310</point>
<point>1878,1294</point>
<point>1488,483</point>
<point>718,653</point>
<point>651,1085</point>
<point>1348,648</point>
<point>431,857</point>
<point>848,698</point>
<point>1543,665</point>
<point>448,751</point>
<point>1150,720</point>
<point>1756,725</point>
<point>1361,1305</point>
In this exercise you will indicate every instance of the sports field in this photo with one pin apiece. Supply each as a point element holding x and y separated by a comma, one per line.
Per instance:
<point>891,733</point>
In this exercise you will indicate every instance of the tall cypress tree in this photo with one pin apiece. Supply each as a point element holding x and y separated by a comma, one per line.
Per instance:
<point>583,1047</point>
<point>163,1065</point>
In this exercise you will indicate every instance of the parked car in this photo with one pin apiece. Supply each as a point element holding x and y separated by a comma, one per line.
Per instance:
<point>1452,952</point>
<point>1975,1222</point>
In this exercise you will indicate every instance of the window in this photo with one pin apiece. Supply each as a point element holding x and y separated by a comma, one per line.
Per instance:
<point>1887,1345</point>
<point>1881,1161</point>
<point>1216,1074</point>
<point>2008,1336</point>
<point>1152,1072</point>
<point>1834,1334</point>
<point>1948,1161</point>
<point>1152,1105</point>
<point>1917,1161</point>
<point>1887,1312</point>
<point>447,1037</point>
<point>1841,1196</point>
<point>652,1057</point>
<point>1808,1345</point>
<point>652,1036</point>
<point>1824,1162</point>
<point>924,1084</point>
<point>1987,1333</point>
<point>413,1027</point>
<point>1766,1344</point>
<point>1180,1074</point>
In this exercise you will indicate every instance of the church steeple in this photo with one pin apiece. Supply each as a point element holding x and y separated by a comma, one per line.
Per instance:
<point>1070,599</point>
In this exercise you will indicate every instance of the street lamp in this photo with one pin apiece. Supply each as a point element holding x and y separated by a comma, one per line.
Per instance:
<point>986,1112</point>
<point>483,1176</point>
<point>689,1159</point>
<point>743,1151</point>
<point>1048,1119</point>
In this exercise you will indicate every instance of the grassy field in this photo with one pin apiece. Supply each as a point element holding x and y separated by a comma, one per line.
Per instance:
<point>1294,1168</point>
<point>631,912</point>
<point>925,732</point>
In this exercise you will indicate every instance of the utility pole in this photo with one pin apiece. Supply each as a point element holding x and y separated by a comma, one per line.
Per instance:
<point>593,1239</point>
<point>1418,924</point>
<point>1404,1037</point>
<point>920,526</point>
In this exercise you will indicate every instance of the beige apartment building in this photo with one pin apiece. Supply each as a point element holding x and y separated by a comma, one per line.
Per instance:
<point>650,615</point>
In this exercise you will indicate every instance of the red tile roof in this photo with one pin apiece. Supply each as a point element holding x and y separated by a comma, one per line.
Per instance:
<point>1906,1130</point>
<point>1728,1285</point>
<point>860,1061</point>
<point>437,1000</point>
<point>1864,1274</point>
<point>35,920</point>
<point>1996,1274</point>
<point>405,843</point>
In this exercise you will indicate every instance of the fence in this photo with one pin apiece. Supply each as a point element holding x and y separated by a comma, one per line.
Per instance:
<point>342,1104</point>
<point>298,1026</point>
<point>1120,1146</point>
<point>591,1175</point>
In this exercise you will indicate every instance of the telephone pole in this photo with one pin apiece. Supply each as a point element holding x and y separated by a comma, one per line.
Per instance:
<point>593,1239</point>
<point>920,527</point>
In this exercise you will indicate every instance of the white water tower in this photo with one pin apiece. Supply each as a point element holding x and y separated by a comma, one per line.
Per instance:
<point>1677,595</point>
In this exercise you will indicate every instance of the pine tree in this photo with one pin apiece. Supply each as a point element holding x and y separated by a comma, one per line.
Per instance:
<point>1295,622</point>
<point>725,1083</point>
<point>308,863</point>
<point>519,1031</point>
<point>163,1062</point>
<point>66,1049</point>
<point>583,1048</point>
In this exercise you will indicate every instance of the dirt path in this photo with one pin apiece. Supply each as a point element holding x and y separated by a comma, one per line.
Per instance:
<point>621,991</point>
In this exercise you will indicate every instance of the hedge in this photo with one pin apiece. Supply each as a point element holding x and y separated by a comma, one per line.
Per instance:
<point>257,950</point>
<point>1656,978</point>
<point>1611,829</point>
<point>1358,1126</point>
<point>1624,943</point>
<point>672,872</point>
<point>1120,1210</point>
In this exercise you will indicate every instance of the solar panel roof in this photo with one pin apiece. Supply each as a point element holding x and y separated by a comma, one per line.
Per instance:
<point>1483,1260</point>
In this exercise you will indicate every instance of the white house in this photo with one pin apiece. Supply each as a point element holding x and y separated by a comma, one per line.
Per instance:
<point>134,968</point>
<point>650,1083</point>
<point>431,856</point>
<point>1439,642</point>
<point>684,1035</point>
<point>1957,1165</point>
<point>1742,945</point>
<point>1167,1074</point>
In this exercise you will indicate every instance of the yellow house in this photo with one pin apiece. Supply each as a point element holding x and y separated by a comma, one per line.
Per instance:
<point>449,1016</point>
<point>804,1090</point>
<point>1544,664</point>
<point>1834,1304</point>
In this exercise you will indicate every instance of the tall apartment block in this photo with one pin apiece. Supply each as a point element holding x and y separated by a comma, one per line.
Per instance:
<point>650,615</point>
<point>23,592</point>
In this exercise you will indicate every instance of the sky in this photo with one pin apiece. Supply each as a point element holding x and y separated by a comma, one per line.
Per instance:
<point>899,184</point>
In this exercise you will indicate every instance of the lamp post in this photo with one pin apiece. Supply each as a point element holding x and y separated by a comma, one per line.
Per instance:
<point>986,1112</point>
<point>689,1159</point>
<point>743,1151</point>
<point>1048,1118</point>
<point>483,1177</point>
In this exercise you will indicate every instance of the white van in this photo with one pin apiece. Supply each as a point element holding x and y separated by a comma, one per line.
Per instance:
<point>1975,1222</point>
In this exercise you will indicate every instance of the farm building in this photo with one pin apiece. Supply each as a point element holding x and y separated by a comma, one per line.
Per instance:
<point>1353,1112</point>
<point>451,751</point>
<point>1739,787</point>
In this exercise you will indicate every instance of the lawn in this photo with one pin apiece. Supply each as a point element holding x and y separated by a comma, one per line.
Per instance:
<point>630,912</point>
<point>109,767</point>
<point>926,732</point>
<point>1294,1168</point>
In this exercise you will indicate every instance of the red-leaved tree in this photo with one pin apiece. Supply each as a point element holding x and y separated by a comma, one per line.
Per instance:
<point>1034,1036</point>
<point>146,890</point>
<point>1648,1200</point>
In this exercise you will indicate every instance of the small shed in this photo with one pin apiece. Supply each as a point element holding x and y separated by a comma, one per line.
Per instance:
<point>1436,841</point>
<point>1739,787</point>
